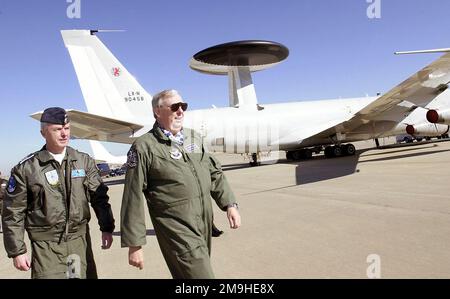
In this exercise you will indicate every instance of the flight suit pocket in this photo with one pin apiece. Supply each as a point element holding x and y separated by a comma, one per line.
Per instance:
<point>38,198</point>
<point>166,202</point>
<point>170,181</point>
<point>166,168</point>
<point>195,264</point>
<point>45,210</point>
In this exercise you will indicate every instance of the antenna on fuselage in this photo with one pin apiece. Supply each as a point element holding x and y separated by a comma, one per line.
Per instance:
<point>238,60</point>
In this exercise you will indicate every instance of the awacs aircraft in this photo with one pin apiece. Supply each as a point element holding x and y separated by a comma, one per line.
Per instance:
<point>119,109</point>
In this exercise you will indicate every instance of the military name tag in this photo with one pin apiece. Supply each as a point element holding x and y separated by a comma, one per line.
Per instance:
<point>78,173</point>
<point>175,154</point>
<point>190,148</point>
<point>52,177</point>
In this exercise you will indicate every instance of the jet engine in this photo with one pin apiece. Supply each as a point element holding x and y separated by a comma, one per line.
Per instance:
<point>439,117</point>
<point>427,129</point>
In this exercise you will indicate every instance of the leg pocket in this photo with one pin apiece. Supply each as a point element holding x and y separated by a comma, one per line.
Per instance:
<point>194,264</point>
<point>47,260</point>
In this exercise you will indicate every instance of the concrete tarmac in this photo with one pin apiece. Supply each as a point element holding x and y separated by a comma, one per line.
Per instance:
<point>383,211</point>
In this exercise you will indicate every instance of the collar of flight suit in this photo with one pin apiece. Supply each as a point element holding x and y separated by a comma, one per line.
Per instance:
<point>159,134</point>
<point>44,156</point>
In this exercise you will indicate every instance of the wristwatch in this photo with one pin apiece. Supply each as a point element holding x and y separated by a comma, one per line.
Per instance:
<point>233,205</point>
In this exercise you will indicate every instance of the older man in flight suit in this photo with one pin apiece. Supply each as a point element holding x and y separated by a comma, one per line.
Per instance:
<point>48,195</point>
<point>178,178</point>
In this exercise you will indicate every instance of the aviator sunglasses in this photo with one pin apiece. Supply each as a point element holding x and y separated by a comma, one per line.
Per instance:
<point>174,107</point>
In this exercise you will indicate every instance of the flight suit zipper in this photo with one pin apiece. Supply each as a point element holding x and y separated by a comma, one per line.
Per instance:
<point>61,179</point>
<point>199,186</point>
<point>65,185</point>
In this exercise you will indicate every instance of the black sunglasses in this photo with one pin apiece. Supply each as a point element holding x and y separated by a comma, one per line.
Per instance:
<point>176,106</point>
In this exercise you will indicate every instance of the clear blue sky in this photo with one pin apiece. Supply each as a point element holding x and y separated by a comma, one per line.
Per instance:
<point>335,51</point>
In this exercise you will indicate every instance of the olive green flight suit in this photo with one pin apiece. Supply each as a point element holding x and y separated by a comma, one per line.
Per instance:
<point>51,202</point>
<point>178,183</point>
<point>3,183</point>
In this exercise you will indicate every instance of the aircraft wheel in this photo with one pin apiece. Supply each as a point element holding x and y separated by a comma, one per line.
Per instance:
<point>254,161</point>
<point>349,149</point>
<point>307,153</point>
<point>328,152</point>
<point>337,151</point>
<point>297,155</point>
<point>289,155</point>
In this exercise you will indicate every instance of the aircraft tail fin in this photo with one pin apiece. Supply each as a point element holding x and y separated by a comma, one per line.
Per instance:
<point>108,88</point>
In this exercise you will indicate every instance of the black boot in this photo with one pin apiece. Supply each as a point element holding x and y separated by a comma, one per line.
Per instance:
<point>215,231</point>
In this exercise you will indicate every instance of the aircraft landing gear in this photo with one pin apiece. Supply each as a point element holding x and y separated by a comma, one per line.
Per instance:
<point>302,154</point>
<point>254,161</point>
<point>330,152</point>
<point>339,150</point>
<point>349,149</point>
<point>377,143</point>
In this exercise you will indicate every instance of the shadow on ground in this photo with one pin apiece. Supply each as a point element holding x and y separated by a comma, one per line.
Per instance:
<point>320,168</point>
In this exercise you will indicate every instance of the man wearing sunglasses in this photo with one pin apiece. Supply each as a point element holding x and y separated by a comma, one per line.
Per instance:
<point>178,177</point>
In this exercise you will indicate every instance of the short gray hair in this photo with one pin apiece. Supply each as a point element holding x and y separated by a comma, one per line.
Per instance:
<point>156,100</point>
<point>44,125</point>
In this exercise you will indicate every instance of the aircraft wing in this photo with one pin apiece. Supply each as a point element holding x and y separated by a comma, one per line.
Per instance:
<point>391,108</point>
<point>85,125</point>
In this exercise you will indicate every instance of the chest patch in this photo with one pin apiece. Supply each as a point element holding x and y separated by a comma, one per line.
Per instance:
<point>78,173</point>
<point>175,154</point>
<point>191,148</point>
<point>52,177</point>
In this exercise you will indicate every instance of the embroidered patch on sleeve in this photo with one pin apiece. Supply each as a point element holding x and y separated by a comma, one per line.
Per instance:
<point>11,184</point>
<point>132,157</point>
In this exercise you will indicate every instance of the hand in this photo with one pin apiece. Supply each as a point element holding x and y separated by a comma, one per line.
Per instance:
<point>136,257</point>
<point>233,217</point>
<point>22,262</point>
<point>107,240</point>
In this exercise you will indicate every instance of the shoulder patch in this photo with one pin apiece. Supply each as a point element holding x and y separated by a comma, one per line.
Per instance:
<point>27,158</point>
<point>11,184</point>
<point>132,157</point>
